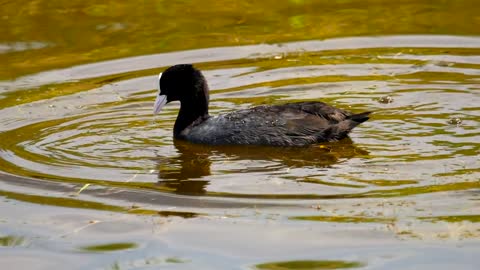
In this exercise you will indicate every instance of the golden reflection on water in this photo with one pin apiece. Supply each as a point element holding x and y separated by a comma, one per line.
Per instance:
<point>76,139</point>
<point>101,131</point>
<point>309,265</point>
<point>42,35</point>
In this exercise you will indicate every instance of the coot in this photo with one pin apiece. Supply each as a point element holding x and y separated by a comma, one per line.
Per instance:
<point>292,124</point>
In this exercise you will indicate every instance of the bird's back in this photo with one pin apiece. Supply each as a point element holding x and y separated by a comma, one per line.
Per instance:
<point>293,124</point>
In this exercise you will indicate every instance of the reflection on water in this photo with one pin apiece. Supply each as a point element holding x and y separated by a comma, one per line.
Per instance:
<point>92,31</point>
<point>100,130</point>
<point>186,172</point>
<point>309,265</point>
<point>11,241</point>
<point>109,247</point>
<point>83,163</point>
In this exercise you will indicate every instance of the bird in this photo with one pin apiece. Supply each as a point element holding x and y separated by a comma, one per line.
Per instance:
<point>285,125</point>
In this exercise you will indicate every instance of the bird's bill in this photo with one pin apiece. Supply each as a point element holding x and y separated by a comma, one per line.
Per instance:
<point>159,103</point>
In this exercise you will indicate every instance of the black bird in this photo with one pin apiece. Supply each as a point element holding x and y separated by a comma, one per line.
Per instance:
<point>292,124</point>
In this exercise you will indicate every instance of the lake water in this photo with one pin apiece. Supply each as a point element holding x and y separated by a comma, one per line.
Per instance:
<point>90,179</point>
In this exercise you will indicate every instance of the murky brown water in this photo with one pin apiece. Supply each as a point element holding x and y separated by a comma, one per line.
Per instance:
<point>89,176</point>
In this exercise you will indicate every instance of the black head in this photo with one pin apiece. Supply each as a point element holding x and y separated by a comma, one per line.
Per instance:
<point>184,83</point>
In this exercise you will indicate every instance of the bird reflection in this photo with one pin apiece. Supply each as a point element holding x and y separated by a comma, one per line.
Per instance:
<point>187,172</point>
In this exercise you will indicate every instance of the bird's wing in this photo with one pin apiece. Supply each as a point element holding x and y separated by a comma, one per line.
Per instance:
<point>319,109</point>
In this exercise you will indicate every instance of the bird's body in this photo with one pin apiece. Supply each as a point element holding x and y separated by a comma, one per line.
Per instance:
<point>292,124</point>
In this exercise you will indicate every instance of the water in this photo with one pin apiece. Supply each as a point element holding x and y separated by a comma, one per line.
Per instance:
<point>89,175</point>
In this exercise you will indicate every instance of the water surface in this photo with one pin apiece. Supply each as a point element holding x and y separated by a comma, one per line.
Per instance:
<point>89,175</point>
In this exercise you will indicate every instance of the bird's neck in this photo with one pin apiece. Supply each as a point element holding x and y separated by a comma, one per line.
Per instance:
<point>190,111</point>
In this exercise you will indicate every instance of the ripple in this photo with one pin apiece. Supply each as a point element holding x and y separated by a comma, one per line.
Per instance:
<point>22,46</point>
<point>240,52</point>
<point>100,130</point>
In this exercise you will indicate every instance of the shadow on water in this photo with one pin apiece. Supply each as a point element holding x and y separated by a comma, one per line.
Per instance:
<point>186,173</point>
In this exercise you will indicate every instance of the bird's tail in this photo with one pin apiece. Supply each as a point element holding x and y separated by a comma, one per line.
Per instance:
<point>359,118</point>
<point>341,130</point>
